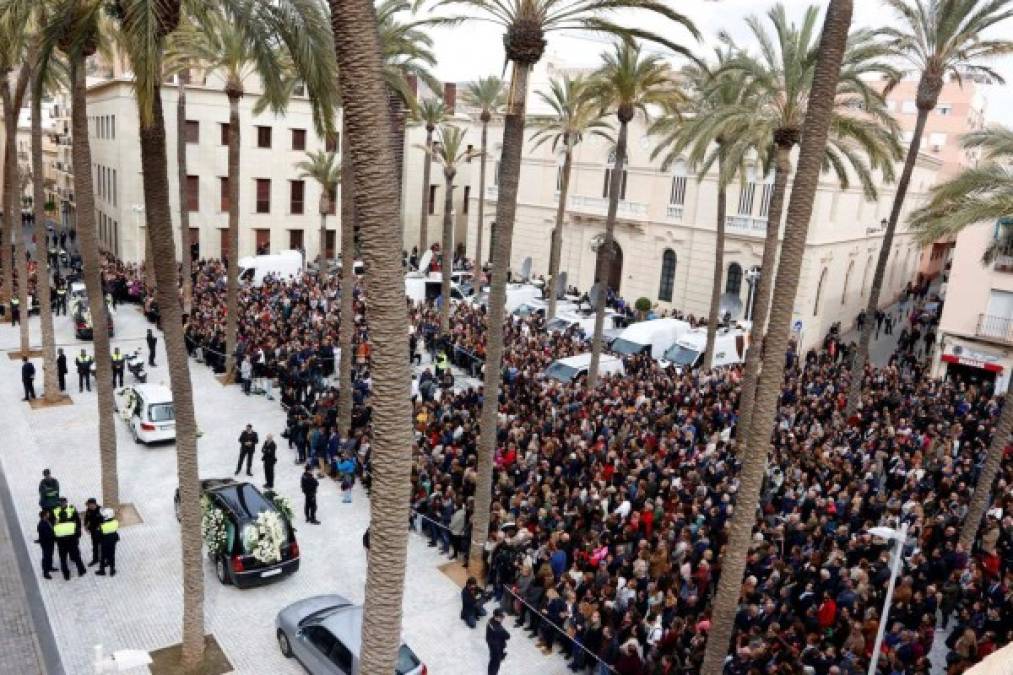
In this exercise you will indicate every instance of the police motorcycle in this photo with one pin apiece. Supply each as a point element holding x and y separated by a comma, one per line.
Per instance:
<point>135,364</point>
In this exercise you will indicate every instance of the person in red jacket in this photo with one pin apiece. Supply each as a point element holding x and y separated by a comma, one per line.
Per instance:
<point>827,613</point>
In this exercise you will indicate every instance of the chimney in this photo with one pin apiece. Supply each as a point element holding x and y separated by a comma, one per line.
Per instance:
<point>449,96</point>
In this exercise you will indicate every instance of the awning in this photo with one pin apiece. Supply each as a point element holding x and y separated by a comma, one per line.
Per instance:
<point>974,363</point>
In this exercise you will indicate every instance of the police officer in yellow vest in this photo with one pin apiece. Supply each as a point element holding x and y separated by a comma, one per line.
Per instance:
<point>442,363</point>
<point>67,528</point>
<point>61,300</point>
<point>15,310</point>
<point>83,371</point>
<point>118,365</point>
<point>110,535</point>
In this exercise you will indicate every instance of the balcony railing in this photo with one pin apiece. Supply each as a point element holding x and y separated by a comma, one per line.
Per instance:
<point>674,211</point>
<point>600,205</point>
<point>747,225</point>
<point>995,327</point>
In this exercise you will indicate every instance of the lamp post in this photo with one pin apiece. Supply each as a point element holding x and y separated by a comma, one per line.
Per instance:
<point>898,537</point>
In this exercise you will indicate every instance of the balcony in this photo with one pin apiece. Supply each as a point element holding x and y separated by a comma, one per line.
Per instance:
<point>746,225</point>
<point>998,328</point>
<point>600,205</point>
<point>674,211</point>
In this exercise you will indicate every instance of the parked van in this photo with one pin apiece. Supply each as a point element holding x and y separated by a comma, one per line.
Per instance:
<point>425,288</point>
<point>517,295</point>
<point>282,265</point>
<point>613,323</point>
<point>573,367</point>
<point>148,411</point>
<point>688,351</point>
<point>650,337</point>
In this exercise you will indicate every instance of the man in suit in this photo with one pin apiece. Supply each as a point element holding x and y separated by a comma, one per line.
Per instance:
<point>496,637</point>
<point>247,444</point>
<point>46,540</point>
<point>152,341</point>
<point>61,369</point>
<point>28,378</point>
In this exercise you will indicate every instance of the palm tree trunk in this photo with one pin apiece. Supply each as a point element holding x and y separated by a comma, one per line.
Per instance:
<point>761,299</point>
<point>184,211</point>
<point>232,288</point>
<point>982,496</point>
<point>10,201</point>
<point>719,268</point>
<point>615,186</point>
<point>51,382</point>
<point>398,120</point>
<point>20,265</point>
<point>346,323</point>
<point>87,243</point>
<point>862,354</point>
<point>506,207</point>
<point>322,256</point>
<point>154,167</point>
<point>556,246</point>
<point>479,255</point>
<point>363,90</point>
<point>448,258</point>
<point>814,140</point>
<point>424,211</point>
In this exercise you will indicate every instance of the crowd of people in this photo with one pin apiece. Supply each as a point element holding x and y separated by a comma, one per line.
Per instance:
<point>610,507</point>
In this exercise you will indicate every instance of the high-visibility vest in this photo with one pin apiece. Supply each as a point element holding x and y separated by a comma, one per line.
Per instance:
<point>117,357</point>
<point>15,302</point>
<point>65,529</point>
<point>82,360</point>
<point>442,362</point>
<point>109,526</point>
<point>64,513</point>
<point>61,292</point>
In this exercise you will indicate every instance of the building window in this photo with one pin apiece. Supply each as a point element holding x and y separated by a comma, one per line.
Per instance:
<point>607,184</point>
<point>768,192</point>
<point>263,195</point>
<point>467,198</point>
<point>677,197</point>
<point>470,151</point>
<point>192,194</point>
<point>431,209</point>
<point>944,108</point>
<point>298,139</point>
<point>224,132</point>
<point>297,192</point>
<point>865,277</point>
<point>299,89</point>
<point>192,131</point>
<point>263,137</point>
<point>667,275</point>
<point>746,198</point>
<point>819,292</point>
<point>733,284</point>
<point>295,240</point>
<point>847,278</point>
<point>331,143</point>
<point>114,187</point>
<point>223,198</point>
<point>112,127</point>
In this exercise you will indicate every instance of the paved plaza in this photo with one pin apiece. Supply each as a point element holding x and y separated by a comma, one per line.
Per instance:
<point>141,607</point>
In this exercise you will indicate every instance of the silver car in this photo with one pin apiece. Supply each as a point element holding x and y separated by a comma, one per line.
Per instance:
<point>324,633</point>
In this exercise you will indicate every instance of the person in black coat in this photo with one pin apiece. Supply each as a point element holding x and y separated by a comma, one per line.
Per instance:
<point>47,540</point>
<point>61,369</point>
<point>471,602</point>
<point>152,341</point>
<point>28,377</point>
<point>269,456</point>
<point>309,490</point>
<point>247,445</point>
<point>93,523</point>
<point>496,637</point>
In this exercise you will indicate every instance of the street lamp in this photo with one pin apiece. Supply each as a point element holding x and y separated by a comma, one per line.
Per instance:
<point>898,537</point>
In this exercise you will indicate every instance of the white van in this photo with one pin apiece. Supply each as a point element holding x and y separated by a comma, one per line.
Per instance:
<point>613,323</point>
<point>729,348</point>
<point>420,288</point>
<point>78,291</point>
<point>148,411</point>
<point>282,265</point>
<point>652,337</point>
<point>573,367</point>
<point>517,295</point>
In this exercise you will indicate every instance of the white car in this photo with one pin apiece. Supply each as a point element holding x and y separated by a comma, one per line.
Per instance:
<point>575,367</point>
<point>148,411</point>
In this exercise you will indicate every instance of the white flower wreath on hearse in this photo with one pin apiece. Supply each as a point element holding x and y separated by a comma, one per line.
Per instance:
<point>213,527</point>
<point>265,536</point>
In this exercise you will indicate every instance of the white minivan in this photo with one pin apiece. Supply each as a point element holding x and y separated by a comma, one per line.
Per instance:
<point>148,411</point>
<point>282,265</point>
<point>652,337</point>
<point>729,348</point>
<point>573,367</point>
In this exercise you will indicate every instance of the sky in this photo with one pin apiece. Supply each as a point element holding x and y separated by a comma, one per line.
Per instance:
<point>475,49</point>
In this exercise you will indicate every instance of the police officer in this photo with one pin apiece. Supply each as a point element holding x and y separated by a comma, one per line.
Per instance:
<point>61,300</point>
<point>15,310</point>
<point>152,341</point>
<point>496,637</point>
<point>118,364</point>
<point>49,491</point>
<point>61,368</point>
<point>442,364</point>
<point>68,535</point>
<point>83,362</point>
<point>92,521</point>
<point>28,378</point>
<point>309,490</point>
<point>110,536</point>
<point>46,540</point>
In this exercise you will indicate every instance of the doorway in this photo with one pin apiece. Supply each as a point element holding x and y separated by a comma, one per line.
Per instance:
<point>613,275</point>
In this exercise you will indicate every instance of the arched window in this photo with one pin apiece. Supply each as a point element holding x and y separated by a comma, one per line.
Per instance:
<point>733,283</point>
<point>608,177</point>
<point>819,291</point>
<point>847,278</point>
<point>865,275</point>
<point>667,275</point>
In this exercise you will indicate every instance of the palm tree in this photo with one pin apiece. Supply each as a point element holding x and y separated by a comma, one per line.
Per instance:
<point>936,38</point>
<point>626,82</point>
<point>346,323</point>
<point>980,194</point>
<point>712,93</point>
<point>526,24</point>
<point>574,115</point>
<point>815,132</point>
<point>448,153</point>
<point>366,119</point>
<point>325,169</point>
<point>431,113</point>
<point>486,94</point>
<point>780,82</point>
